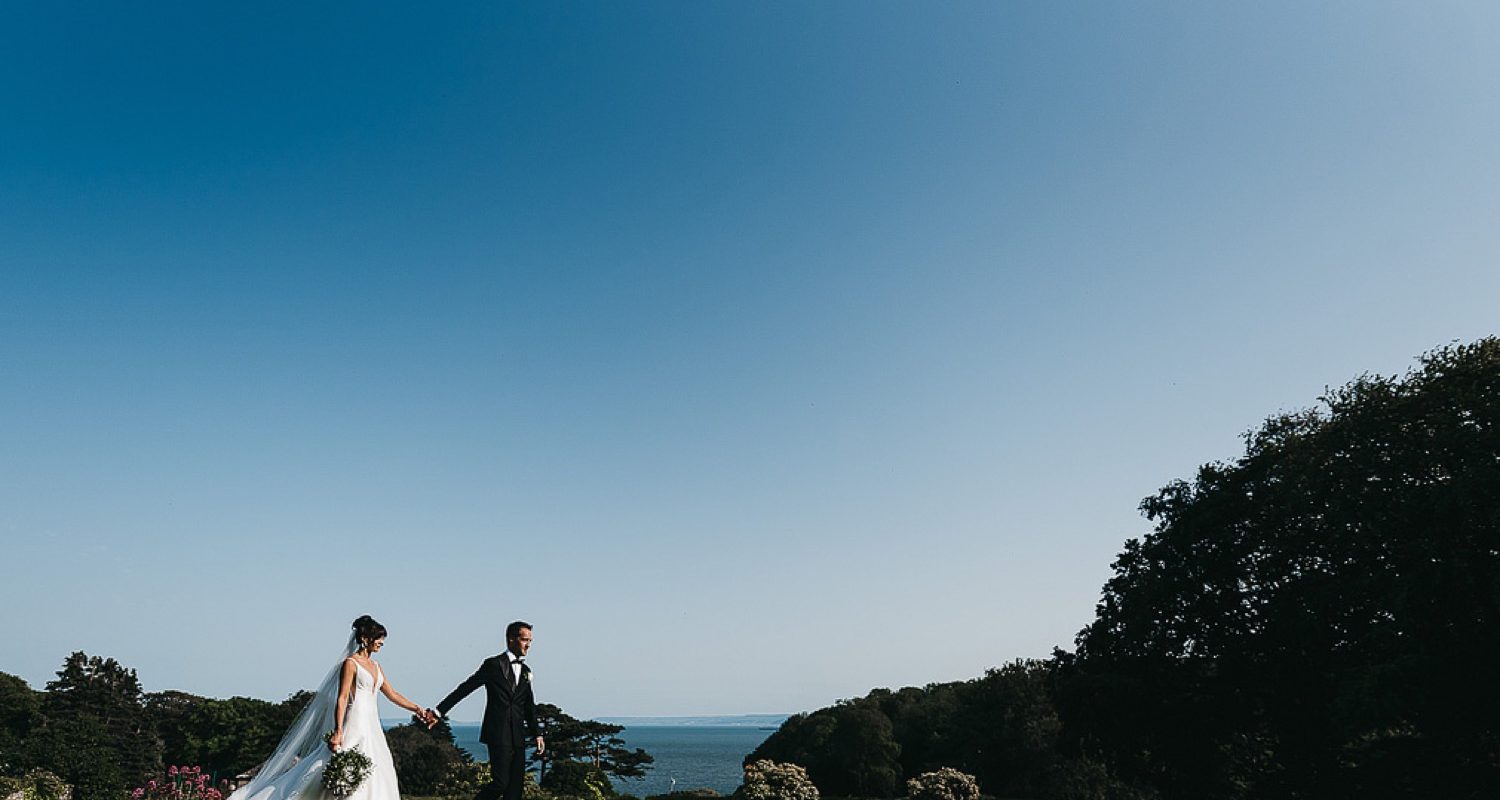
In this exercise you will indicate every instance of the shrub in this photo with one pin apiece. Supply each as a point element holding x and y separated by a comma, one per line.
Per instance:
<point>180,783</point>
<point>686,794</point>
<point>772,780</point>
<point>464,778</point>
<point>423,759</point>
<point>578,779</point>
<point>38,784</point>
<point>530,789</point>
<point>946,783</point>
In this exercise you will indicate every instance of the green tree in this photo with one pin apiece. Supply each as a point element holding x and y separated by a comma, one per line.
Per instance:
<point>578,779</point>
<point>591,741</point>
<point>83,752</point>
<point>168,712</point>
<point>1006,730</point>
<point>95,731</point>
<point>862,757</point>
<point>848,750</point>
<point>943,784</point>
<point>20,711</point>
<point>770,780</point>
<point>464,779</point>
<point>1316,618</point>
<point>225,737</point>
<point>38,784</point>
<point>801,740</point>
<point>100,686</point>
<point>228,737</point>
<point>1002,728</point>
<point>425,759</point>
<point>924,721</point>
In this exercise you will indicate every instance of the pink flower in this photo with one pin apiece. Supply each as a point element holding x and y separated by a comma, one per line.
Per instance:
<point>172,771</point>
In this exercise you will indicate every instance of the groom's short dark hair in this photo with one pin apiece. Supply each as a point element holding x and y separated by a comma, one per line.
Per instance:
<point>514,629</point>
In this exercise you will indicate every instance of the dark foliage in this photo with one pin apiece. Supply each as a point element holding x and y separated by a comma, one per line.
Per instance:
<point>94,731</point>
<point>1001,728</point>
<point>578,779</point>
<point>94,728</point>
<point>1316,619</point>
<point>424,758</point>
<point>586,740</point>
<point>225,737</point>
<point>83,752</point>
<point>20,711</point>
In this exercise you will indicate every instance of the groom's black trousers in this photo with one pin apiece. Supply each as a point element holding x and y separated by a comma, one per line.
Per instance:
<point>507,772</point>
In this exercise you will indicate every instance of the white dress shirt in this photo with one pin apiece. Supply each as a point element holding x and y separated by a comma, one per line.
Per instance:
<point>515,668</point>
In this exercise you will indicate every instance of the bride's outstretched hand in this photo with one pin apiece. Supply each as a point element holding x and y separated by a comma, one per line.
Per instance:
<point>431,718</point>
<point>335,742</point>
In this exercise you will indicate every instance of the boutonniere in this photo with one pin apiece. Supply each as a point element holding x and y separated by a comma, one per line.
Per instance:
<point>526,673</point>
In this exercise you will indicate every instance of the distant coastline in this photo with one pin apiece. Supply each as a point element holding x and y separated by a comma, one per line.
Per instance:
<point>724,721</point>
<point>691,752</point>
<point>727,721</point>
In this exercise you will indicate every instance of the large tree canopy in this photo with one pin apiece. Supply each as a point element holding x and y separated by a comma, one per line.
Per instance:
<point>1319,617</point>
<point>94,730</point>
<point>1001,728</point>
<point>225,737</point>
<point>19,710</point>
<point>94,727</point>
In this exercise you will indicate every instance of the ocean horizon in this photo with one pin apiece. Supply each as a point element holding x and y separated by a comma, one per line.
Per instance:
<point>715,720</point>
<point>703,752</point>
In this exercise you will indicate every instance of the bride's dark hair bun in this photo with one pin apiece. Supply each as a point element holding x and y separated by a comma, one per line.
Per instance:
<point>366,629</point>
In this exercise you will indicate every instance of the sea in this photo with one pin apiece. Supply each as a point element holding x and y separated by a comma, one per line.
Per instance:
<point>690,752</point>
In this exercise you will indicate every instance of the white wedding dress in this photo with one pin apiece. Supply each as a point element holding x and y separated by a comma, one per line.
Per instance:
<point>302,777</point>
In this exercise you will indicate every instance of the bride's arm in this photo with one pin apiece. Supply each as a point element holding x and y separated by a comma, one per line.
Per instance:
<point>346,682</point>
<point>396,697</point>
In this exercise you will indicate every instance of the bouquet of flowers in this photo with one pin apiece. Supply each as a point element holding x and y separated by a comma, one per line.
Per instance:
<point>345,771</point>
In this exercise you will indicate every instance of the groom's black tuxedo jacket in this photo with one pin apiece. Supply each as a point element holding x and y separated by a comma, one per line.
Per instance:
<point>509,708</point>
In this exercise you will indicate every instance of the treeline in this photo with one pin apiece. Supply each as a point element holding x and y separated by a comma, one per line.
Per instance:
<point>95,729</point>
<point>1002,728</point>
<point>1319,618</point>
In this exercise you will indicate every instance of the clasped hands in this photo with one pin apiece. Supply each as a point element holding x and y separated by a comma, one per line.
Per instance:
<point>430,719</point>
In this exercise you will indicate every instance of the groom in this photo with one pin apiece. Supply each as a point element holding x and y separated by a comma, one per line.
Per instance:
<point>509,713</point>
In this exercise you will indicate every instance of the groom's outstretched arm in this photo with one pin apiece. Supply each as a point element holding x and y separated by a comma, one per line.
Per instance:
<point>464,690</point>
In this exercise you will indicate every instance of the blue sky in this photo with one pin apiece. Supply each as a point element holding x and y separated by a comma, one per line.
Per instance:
<point>759,354</point>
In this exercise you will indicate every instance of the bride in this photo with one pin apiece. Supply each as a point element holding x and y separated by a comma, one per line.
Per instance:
<point>343,710</point>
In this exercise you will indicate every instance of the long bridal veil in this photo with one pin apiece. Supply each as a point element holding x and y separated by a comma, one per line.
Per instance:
<point>305,736</point>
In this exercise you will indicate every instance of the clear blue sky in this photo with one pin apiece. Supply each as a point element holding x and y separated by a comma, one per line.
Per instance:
<point>760,354</point>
